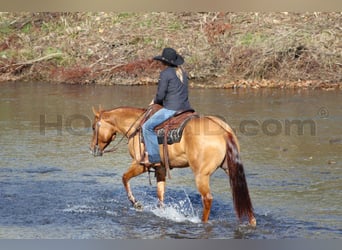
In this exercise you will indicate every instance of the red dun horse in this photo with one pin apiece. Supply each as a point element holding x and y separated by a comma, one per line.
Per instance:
<point>208,143</point>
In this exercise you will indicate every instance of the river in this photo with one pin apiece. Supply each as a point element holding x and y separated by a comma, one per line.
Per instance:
<point>52,187</point>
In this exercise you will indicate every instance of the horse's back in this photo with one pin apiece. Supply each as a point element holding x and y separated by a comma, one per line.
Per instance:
<point>208,127</point>
<point>204,140</point>
<point>225,126</point>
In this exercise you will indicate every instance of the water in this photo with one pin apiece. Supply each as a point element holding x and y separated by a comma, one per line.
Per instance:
<point>51,187</point>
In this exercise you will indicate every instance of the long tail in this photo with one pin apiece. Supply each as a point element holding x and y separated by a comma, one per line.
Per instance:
<point>234,168</point>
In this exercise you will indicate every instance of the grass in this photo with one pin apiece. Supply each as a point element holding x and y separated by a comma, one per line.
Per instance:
<point>5,29</point>
<point>252,39</point>
<point>222,47</point>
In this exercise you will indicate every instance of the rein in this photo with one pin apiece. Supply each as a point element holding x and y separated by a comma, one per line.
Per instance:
<point>115,147</point>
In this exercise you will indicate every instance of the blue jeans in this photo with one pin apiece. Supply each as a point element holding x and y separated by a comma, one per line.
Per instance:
<point>150,137</point>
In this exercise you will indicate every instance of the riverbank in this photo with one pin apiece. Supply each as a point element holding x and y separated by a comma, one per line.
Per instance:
<point>222,50</point>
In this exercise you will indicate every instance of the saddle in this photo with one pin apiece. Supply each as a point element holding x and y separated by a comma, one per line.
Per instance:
<point>171,130</point>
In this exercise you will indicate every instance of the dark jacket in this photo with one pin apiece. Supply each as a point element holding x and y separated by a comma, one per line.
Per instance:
<point>172,93</point>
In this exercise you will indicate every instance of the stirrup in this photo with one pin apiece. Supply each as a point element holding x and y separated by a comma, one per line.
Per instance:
<point>145,162</point>
<point>149,164</point>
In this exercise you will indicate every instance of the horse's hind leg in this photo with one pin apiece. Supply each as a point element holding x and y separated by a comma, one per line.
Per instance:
<point>202,183</point>
<point>134,170</point>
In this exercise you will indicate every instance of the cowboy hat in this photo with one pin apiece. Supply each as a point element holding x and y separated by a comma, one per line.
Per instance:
<point>170,56</point>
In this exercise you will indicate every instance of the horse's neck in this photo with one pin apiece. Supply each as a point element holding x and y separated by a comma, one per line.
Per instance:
<point>124,118</point>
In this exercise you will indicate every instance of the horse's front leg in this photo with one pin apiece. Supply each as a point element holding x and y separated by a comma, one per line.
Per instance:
<point>160,176</point>
<point>134,170</point>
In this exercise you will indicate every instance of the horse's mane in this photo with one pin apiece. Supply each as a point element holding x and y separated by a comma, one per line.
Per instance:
<point>126,108</point>
<point>105,112</point>
<point>129,107</point>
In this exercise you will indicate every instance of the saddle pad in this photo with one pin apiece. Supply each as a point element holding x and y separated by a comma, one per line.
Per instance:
<point>173,129</point>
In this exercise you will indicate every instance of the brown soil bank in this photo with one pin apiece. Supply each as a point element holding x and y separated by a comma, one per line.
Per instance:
<point>229,50</point>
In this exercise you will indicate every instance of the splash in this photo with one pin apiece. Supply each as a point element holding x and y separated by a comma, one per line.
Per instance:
<point>79,209</point>
<point>171,212</point>
<point>180,211</point>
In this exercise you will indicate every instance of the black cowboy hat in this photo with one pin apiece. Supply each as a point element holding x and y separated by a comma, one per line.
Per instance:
<point>170,56</point>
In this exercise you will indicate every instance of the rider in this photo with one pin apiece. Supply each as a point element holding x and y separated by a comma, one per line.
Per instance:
<point>172,94</point>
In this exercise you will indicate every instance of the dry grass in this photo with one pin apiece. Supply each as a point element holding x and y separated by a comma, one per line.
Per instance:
<point>116,48</point>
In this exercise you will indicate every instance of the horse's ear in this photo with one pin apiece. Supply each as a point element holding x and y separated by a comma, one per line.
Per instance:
<point>100,108</point>
<point>96,113</point>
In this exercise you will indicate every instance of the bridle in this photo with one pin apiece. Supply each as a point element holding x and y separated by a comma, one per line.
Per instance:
<point>97,151</point>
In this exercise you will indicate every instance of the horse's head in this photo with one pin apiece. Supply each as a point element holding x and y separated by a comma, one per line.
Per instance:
<point>104,133</point>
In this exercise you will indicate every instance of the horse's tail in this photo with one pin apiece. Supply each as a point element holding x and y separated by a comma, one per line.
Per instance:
<point>233,166</point>
<point>242,201</point>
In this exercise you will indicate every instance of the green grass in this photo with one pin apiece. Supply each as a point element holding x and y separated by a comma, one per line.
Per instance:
<point>159,43</point>
<point>5,29</point>
<point>122,17</point>
<point>56,27</point>
<point>26,29</point>
<point>250,39</point>
<point>176,25</point>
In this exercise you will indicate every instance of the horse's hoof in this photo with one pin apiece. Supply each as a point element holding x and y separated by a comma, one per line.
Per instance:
<point>252,222</point>
<point>138,206</point>
<point>161,205</point>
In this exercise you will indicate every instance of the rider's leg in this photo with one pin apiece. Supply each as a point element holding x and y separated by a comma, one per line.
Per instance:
<point>150,137</point>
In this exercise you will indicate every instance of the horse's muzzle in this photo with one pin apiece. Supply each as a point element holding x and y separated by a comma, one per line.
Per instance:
<point>96,151</point>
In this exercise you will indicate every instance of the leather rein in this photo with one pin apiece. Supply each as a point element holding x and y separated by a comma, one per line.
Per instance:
<point>125,135</point>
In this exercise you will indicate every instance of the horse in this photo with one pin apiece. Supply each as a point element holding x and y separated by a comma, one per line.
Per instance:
<point>207,143</point>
